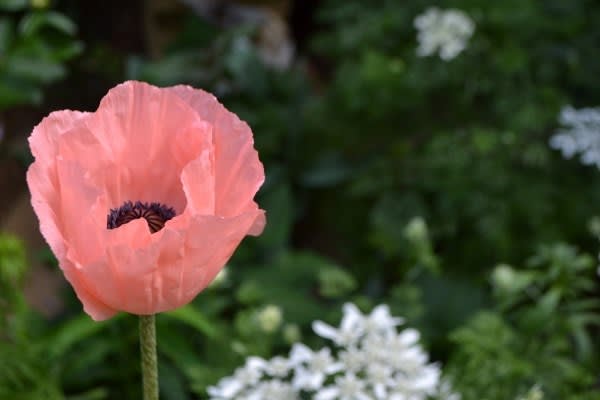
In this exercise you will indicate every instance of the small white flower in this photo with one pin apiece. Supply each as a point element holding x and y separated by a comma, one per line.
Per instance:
<point>443,31</point>
<point>227,388</point>
<point>312,368</point>
<point>272,390</point>
<point>246,376</point>
<point>278,366</point>
<point>380,320</point>
<point>403,352</point>
<point>380,378</point>
<point>347,387</point>
<point>580,134</point>
<point>445,392</point>
<point>426,379</point>
<point>350,330</point>
<point>251,372</point>
<point>355,324</point>
<point>353,359</point>
<point>374,349</point>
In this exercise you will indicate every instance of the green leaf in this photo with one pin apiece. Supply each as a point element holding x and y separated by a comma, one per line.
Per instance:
<point>289,280</point>
<point>12,260</point>
<point>35,69</point>
<point>13,93</point>
<point>335,282</point>
<point>177,68</point>
<point>194,318</point>
<point>178,348</point>
<point>32,23</point>
<point>13,5</point>
<point>549,301</point>
<point>279,204</point>
<point>75,331</point>
<point>68,51</point>
<point>172,384</point>
<point>6,35</point>
<point>330,169</point>
<point>94,394</point>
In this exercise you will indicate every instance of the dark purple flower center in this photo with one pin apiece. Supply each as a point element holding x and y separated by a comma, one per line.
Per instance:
<point>155,214</point>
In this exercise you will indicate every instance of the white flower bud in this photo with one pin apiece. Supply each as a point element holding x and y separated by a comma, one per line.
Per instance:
<point>270,318</point>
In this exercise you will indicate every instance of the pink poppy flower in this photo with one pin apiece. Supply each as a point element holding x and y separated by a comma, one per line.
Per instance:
<point>144,200</point>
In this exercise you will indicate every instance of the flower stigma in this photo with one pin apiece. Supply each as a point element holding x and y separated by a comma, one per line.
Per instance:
<point>155,214</point>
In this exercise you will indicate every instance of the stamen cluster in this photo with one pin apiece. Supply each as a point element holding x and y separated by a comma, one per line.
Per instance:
<point>155,214</point>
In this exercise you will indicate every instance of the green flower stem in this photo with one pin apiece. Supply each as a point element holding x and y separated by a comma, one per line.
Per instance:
<point>148,350</point>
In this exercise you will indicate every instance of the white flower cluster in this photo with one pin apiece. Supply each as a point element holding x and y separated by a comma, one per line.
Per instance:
<point>370,360</point>
<point>446,31</point>
<point>580,135</point>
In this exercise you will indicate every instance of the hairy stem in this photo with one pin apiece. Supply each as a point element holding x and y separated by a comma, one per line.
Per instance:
<point>148,352</point>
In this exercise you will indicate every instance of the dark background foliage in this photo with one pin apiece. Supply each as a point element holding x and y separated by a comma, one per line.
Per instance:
<point>425,184</point>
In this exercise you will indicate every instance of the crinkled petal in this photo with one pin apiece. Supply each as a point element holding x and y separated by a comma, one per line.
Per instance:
<point>198,184</point>
<point>41,175</point>
<point>85,292</point>
<point>82,217</point>
<point>259,223</point>
<point>210,242</point>
<point>43,139</point>
<point>172,270</point>
<point>238,171</point>
<point>151,135</point>
<point>44,201</point>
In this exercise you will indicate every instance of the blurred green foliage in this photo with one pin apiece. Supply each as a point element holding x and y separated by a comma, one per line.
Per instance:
<point>35,44</point>
<point>391,178</point>
<point>538,334</point>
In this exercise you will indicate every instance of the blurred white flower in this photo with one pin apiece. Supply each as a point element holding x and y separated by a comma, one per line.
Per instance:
<point>347,334</point>
<point>445,392</point>
<point>270,318</point>
<point>226,389</point>
<point>369,359</point>
<point>380,376</point>
<point>278,366</point>
<point>355,324</point>
<point>274,389</point>
<point>220,279</point>
<point>346,387</point>
<point>580,134</point>
<point>312,368</point>
<point>416,229</point>
<point>504,276</point>
<point>247,376</point>
<point>353,359</point>
<point>445,32</point>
